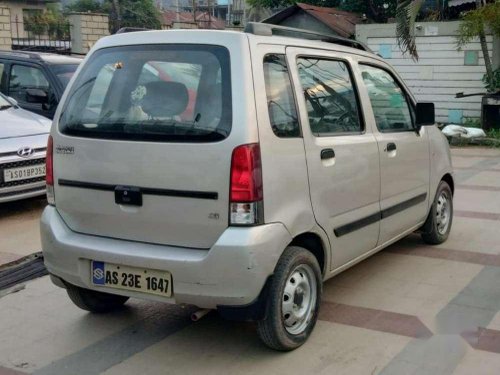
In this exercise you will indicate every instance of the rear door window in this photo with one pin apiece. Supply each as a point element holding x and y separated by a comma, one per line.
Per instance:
<point>171,93</point>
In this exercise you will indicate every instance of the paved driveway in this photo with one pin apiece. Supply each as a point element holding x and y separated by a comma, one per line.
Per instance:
<point>410,309</point>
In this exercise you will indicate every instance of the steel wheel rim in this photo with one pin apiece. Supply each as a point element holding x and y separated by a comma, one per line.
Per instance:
<point>298,301</point>
<point>443,213</point>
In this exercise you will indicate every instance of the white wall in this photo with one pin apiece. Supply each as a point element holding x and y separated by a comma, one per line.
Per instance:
<point>441,70</point>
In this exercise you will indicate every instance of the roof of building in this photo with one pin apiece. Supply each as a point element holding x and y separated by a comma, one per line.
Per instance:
<point>203,19</point>
<point>341,22</point>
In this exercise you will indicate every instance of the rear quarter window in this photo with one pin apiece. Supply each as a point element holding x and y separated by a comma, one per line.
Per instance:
<point>170,93</point>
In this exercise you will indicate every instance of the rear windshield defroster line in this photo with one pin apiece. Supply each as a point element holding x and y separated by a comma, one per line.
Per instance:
<point>155,93</point>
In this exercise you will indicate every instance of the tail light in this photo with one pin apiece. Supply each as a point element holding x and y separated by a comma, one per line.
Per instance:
<point>246,195</point>
<point>49,172</point>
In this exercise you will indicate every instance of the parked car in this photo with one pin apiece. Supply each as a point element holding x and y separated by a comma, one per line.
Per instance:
<point>300,159</point>
<point>36,80</point>
<point>23,143</point>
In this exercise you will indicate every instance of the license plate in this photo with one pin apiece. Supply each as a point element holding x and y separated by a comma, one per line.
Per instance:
<point>131,278</point>
<point>24,173</point>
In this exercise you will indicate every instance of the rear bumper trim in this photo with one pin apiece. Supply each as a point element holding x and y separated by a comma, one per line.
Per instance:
<point>145,190</point>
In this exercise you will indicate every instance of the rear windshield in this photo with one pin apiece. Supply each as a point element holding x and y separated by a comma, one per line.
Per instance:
<point>165,93</point>
<point>64,72</point>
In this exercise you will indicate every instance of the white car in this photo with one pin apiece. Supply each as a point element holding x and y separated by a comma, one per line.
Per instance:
<point>23,144</point>
<point>236,171</point>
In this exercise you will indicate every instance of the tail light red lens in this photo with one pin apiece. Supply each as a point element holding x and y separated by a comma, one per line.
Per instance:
<point>49,163</point>
<point>49,172</point>
<point>246,174</point>
<point>246,205</point>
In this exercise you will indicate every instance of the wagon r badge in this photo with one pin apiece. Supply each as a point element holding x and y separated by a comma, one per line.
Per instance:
<point>65,150</point>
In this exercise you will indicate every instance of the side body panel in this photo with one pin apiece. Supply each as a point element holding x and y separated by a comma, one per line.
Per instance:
<point>440,159</point>
<point>284,166</point>
<point>404,171</point>
<point>345,189</point>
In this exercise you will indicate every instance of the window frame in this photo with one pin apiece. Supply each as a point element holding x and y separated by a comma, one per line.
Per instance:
<point>354,84</point>
<point>409,99</point>
<point>292,89</point>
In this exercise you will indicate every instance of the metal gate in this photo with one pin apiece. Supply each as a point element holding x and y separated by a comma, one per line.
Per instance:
<point>33,35</point>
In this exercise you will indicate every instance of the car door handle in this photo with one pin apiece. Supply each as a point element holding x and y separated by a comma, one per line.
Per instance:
<point>390,147</point>
<point>327,153</point>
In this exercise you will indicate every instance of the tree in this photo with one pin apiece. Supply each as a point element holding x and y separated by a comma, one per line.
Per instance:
<point>406,15</point>
<point>473,26</point>
<point>123,13</point>
<point>134,13</point>
<point>50,22</point>
<point>92,6</point>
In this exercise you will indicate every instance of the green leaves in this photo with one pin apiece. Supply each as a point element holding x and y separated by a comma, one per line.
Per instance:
<point>474,22</point>
<point>406,14</point>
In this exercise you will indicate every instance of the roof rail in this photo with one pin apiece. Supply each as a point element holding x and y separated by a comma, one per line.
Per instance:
<point>267,29</point>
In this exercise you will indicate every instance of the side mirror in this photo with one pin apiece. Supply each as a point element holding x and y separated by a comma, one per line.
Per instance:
<point>425,114</point>
<point>36,96</point>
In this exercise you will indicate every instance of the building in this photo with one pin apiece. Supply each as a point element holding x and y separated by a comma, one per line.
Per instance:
<point>318,19</point>
<point>21,9</point>
<point>441,71</point>
<point>172,19</point>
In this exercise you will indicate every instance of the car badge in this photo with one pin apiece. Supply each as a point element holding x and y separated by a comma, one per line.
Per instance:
<point>25,152</point>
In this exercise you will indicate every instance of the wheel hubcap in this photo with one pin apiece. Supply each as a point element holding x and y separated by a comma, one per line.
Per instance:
<point>299,299</point>
<point>443,213</point>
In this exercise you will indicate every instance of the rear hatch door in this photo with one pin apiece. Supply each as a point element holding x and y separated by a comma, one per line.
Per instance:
<point>145,142</point>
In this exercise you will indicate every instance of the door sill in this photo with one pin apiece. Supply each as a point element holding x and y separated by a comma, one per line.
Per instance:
<point>362,257</point>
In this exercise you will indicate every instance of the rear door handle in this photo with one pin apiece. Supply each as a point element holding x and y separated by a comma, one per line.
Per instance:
<point>327,153</point>
<point>390,147</point>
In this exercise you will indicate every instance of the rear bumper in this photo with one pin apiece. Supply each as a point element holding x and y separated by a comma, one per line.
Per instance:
<point>233,272</point>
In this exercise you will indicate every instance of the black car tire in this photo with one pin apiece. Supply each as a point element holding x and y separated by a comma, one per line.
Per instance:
<point>273,330</point>
<point>433,232</point>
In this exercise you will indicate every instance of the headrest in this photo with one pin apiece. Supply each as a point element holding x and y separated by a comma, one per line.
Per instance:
<point>165,99</point>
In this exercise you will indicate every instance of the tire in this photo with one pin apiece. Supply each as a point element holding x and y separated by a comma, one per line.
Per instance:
<point>95,302</point>
<point>277,331</point>
<point>438,224</point>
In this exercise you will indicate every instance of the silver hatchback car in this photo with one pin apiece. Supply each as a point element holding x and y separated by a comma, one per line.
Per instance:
<point>236,171</point>
<point>23,141</point>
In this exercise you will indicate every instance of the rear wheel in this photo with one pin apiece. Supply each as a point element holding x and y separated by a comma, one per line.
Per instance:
<point>438,225</point>
<point>293,300</point>
<point>93,301</point>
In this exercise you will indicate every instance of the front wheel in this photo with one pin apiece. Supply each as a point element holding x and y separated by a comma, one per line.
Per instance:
<point>293,300</point>
<point>438,225</point>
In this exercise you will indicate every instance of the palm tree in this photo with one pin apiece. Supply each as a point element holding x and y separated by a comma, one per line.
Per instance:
<point>472,26</point>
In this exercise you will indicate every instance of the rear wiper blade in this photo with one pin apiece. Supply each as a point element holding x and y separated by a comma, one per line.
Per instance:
<point>7,106</point>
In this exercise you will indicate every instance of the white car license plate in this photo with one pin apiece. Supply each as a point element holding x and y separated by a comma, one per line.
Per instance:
<point>132,278</point>
<point>24,173</point>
